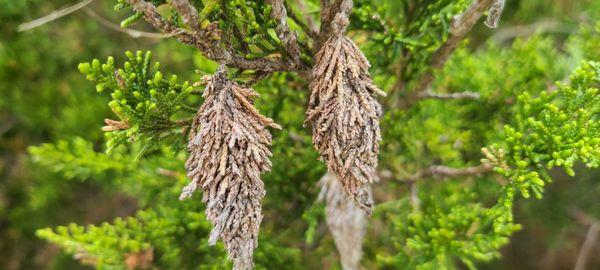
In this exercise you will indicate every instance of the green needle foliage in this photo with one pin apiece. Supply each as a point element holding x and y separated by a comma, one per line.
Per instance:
<point>555,129</point>
<point>525,123</point>
<point>452,226</point>
<point>168,234</point>
<point>145,102</point>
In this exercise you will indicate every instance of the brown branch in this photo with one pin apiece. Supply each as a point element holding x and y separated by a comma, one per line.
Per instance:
<point>448,172</point>
<point>590,238</point>
<point>131,32</point>
<point>494,13</point>
<point>544,26</point>
<point>255,78</point>
<point>287,37</point>
<point>329,8</point>
<point>206,40</point>
<point>461,26</point>
<point>587,247</point>
<point>7,124</point>
<point>414,201</point>
<point>53,16</point>
<point>168,173</point>
<point>438,171</point>
<point>183,122</point>
<point>459,29</point>
<point>188,13</point>
<point>435,171</point>
<point>445,96</point>
<point>582,217</point>
<point>152,16</point>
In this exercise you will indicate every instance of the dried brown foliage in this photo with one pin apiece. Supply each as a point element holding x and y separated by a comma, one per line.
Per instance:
<point>113,125</point>
<point>494,12</point>
<point>139,260</point>
<point>229,150</point>
<point>344,113</point>
<point>345,220</point>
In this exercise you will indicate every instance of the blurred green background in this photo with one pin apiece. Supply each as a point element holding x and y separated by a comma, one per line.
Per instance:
<point>45,99</point>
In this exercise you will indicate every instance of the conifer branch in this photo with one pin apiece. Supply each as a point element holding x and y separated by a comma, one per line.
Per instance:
<point>57,14</point>
<point>309,27</point>
<point>459,29</point>
<point>461,26</point>
<point>131,32</point>
<point>413,198</point>
<point>439,171</point>
<point>494,13</point>
<point>206,40</point>
<point>152,16</point>
<point>449,172</point>
<point>113,125</point>
<point>591,236</point>
<point>329,10</point>
<point>188,13</point>
<point>287,36</point>
<point>445,96</point>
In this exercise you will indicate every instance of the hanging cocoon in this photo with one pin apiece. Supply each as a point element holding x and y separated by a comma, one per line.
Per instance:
<point>344,113</point>
<point>229,150</point>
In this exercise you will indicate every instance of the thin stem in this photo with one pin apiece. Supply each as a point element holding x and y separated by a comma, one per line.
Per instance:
<point>449,172</point>
<point>131,32</point>
<point>414,201</point>
<point>287,36</point>
<point>203,39</point>
<point>459,29</point>
<point>461,26</point>
<point>309,29</point>
<point>445,96</point>
<point>53,16</point>
<point>188,13</point>
<point>587,247</point>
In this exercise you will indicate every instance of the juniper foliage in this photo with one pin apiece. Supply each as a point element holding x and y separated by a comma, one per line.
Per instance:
<point>144,101</point>
<point>555,129</point>
<point>436,206</point>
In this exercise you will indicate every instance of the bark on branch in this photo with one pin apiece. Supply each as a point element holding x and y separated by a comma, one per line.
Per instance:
<point>188,13</point>
<point>461,26</point>
<point>287,37</point>
<point>459,95</point>
<point>587,247</point>
<point>459,29</point>
<point>206,40</point>
<point>152,16</point>
<point>447,172</point>
<point>590,238</point>
<point>53,16</point>
<point>130,32</point>
<point>329,10</point>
